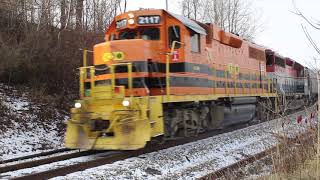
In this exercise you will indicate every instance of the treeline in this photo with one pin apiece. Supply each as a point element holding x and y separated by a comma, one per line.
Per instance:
<point>40,40</point>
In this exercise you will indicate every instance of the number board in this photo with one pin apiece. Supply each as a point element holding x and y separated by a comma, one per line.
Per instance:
<point>149,20</point>
<point>121,23</point>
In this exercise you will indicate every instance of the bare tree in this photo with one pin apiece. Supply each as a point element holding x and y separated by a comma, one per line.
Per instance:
<point>79,15</point>
<point>315,25</point>
<point>235,16</point>
<point>122,5</point>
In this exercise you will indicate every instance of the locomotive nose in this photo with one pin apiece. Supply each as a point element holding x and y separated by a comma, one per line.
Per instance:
<point>115,56</point>
<point>122,50</point>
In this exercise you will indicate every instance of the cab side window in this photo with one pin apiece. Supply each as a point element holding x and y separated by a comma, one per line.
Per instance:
<point>195,42</point>
<point>269,60</point>
<point>174,35</point>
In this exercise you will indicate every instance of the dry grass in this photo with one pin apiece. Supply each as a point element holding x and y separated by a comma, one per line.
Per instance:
<point>293,152</point>
<point>295,157</point>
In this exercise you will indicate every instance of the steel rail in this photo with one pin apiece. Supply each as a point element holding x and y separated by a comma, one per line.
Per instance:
<point>34,155</point>
<point>38,162</point>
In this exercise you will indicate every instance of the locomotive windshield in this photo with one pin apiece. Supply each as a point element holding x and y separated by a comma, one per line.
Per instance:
<point>145,33</point>
<point>128,35</point>
<point>150,34</point>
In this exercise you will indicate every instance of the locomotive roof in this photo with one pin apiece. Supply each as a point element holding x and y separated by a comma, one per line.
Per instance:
<point>189,23</point>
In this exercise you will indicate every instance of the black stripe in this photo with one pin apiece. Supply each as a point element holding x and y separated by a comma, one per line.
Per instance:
<point>221,84</point>
<point>190,67</point>
<point>161,82</point>
<point>174,82</point>
<point>220,74</point>
<point>144,66</point>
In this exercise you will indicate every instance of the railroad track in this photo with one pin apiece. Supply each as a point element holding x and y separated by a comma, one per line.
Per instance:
<point>47,153</point>
<point>224,172</point>
<point>17,164</point>
<point>60,165</point>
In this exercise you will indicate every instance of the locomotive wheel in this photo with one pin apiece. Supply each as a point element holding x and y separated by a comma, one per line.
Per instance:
<point>186,122</point>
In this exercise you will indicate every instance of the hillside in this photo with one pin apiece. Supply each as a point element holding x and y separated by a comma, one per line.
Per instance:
<point>28,125</point>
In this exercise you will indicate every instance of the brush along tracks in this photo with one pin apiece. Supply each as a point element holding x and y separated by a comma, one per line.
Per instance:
<point>286,144</point>
<point>231,170</point>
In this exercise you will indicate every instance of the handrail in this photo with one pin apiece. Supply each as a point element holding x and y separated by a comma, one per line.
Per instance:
<point>92,75</point>
<point>85,57</point>
<point>81,82</point>
<point>83,77</point>
<point>130,82</point>
<point>168,65</point>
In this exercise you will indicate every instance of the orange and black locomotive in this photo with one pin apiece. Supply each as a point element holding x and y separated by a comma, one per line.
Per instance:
<point>161,74</point>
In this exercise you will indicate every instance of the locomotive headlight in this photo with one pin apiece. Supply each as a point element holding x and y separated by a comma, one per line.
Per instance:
<point>125,103</point>
<point>118,56</point>
<point>131,15</point>
<point>77,105</point>
<point>131,21</point>
<point>107,57</point>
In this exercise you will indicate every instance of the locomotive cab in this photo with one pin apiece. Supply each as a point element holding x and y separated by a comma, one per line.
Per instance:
<point>152,40</point>
<point>134,38</point>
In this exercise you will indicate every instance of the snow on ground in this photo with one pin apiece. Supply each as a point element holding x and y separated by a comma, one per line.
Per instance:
<point>196,159</point>
<point>26,127</point>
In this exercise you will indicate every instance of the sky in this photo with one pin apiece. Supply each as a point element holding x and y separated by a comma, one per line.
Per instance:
<point>281,30</point>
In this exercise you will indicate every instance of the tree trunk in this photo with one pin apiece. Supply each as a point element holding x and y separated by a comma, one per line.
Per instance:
<point>44,16</point>
<point>79,12</point>
<point>63,17</point>
<point>125,6</point>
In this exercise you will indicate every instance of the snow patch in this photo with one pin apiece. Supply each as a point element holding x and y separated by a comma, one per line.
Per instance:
<point>25,129</point>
